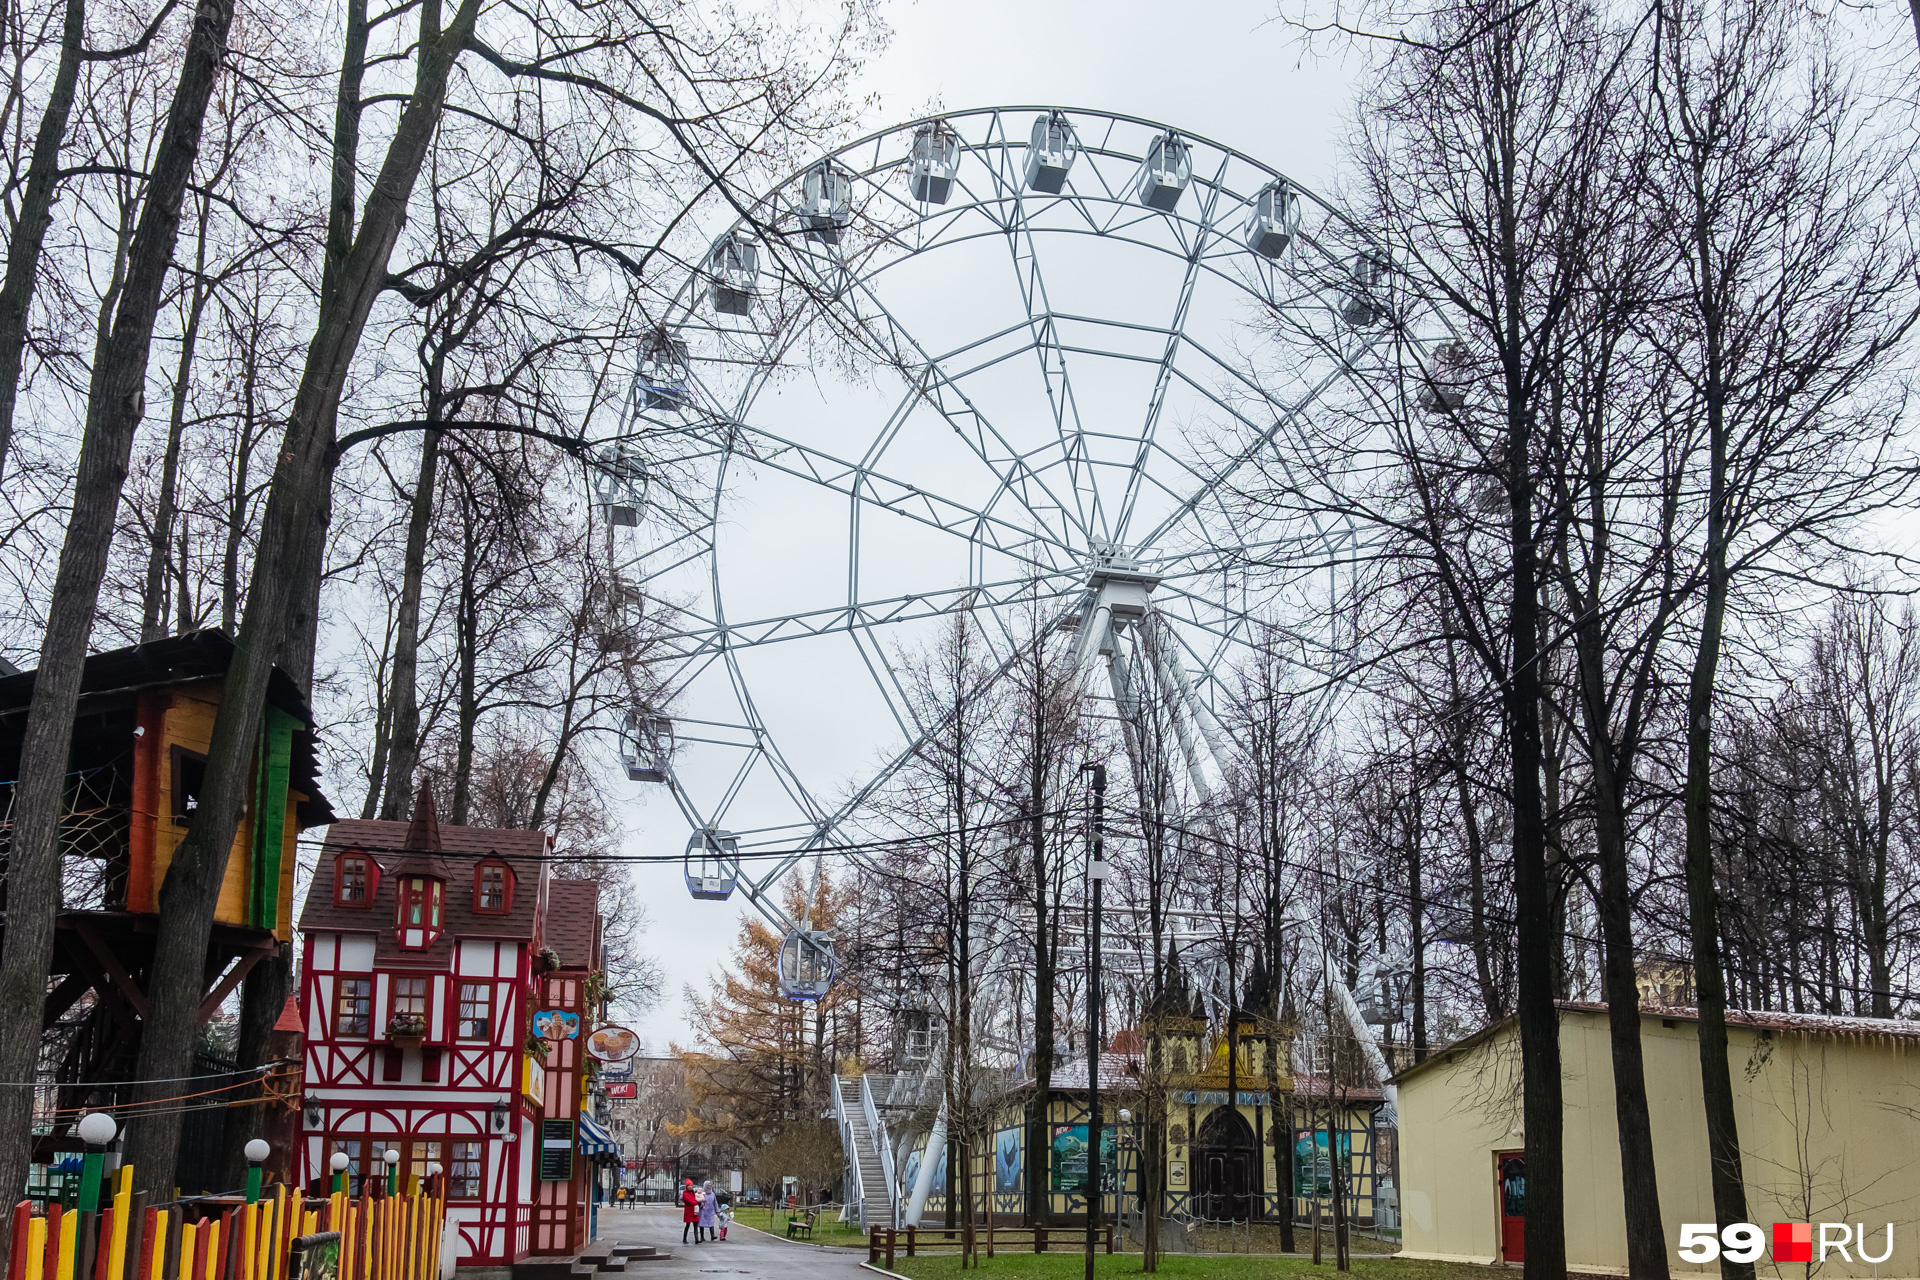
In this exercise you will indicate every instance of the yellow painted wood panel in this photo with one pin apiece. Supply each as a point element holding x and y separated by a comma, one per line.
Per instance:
<point>189,724</point>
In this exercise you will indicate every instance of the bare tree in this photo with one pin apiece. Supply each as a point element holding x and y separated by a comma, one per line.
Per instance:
<point>115,403</point>
<point>1789,219</point>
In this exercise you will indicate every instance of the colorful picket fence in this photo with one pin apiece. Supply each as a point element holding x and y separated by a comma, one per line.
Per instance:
<point>379,1237</point>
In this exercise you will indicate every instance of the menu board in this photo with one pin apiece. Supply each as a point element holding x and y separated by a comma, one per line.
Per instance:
<point>556,1150</point>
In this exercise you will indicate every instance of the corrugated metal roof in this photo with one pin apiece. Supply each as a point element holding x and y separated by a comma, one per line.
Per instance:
<point>1807,1024</point>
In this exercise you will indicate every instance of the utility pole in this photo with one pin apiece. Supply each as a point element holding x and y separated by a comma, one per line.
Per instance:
<point>1097,876</point>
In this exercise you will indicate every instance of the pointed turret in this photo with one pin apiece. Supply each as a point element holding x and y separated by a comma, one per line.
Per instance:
<point>422,854</point>
<point>1257,998</point>
<point>420,878</point>
<point>423,832</point>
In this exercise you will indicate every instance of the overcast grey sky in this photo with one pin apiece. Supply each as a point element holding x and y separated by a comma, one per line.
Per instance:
<point>1221,69</point>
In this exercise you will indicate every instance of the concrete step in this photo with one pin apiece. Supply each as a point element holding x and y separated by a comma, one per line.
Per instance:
<point>547,1269</point>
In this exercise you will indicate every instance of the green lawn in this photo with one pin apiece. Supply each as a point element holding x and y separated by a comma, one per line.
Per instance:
<point>827,1230</point>
<point>1063,1266</point>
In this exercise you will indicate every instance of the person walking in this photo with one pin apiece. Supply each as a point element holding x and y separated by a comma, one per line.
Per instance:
<point>709,1210</point>
<point>689,1212</point>
<point>726,1213</point>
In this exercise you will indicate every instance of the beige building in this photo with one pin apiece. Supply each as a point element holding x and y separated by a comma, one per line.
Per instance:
<point>1829,1116</point>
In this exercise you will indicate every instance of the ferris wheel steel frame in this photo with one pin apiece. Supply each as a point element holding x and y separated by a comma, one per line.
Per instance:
<point>1046,513</point>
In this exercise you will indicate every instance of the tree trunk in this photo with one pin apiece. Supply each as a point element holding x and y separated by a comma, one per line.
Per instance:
<point>403,748</point>
<point>296,505</point>
<point>1703,909</point>
<point>35,217</point>
<point>1476,850</point>
<point>1535,943</point>
<point>153,623</point>
<point>262,996</point>
<point>467,660</point>
<point>1040,747</point>
<point>303,608</point>
<point>237,500</point>
<point>1646,1237</point>
<point>115,402</point>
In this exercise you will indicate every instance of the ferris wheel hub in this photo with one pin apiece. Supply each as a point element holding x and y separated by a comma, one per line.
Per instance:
<point>1118,592</point>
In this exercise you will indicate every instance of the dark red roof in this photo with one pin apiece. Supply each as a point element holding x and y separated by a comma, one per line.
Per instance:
<point>461,850</point>
<point>1309,1086</point>
<point>573,923</point>
<point>1117,1071</point>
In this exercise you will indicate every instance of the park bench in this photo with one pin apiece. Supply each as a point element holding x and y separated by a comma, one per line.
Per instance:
<point>802,1228</point>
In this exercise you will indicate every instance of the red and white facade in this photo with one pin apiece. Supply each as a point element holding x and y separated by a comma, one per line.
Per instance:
<point>426,954</point>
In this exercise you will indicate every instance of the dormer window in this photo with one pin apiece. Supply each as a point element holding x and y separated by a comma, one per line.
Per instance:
<point>353,880</point>
<point>492,888</point>
<point>417,912</point>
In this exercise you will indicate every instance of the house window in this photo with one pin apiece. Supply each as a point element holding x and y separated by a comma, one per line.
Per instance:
<point>352,1147</point>
<point>420,1153</point>
<point>353,880</point>
<point>476,1011</point>
<point>417,918</point>
<point>353,1006</point>
<point>492,888</point>
<point>464,1172</point>
<point>409,1005</point>
<point>189,776</point>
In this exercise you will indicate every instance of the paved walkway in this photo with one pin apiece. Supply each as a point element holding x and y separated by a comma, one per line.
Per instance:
<point>745,1252</point>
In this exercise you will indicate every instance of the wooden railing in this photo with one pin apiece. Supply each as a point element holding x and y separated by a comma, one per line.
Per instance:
<point>375,1237</point>
<point>888,1242</point>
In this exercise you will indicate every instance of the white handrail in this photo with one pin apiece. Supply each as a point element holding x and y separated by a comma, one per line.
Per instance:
<point>850,1147</point>
<point>877,1131</point>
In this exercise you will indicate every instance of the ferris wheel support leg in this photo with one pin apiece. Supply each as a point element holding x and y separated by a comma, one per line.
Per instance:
<point>1093,637</point>
<point>929,1159</point>
<point>1125,704</point>
<point>1365,1034</point>
<point>1178,710</point>
<point>1169,649</point>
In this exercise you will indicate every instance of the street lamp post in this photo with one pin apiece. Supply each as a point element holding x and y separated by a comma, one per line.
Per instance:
<point>393,1170</point>
<point>96,1129</point>
<point>339,1165</point>
<point>257,1150</point>
<point>1097,877</point>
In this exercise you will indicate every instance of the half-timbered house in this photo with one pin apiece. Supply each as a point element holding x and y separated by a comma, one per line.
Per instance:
<point>447,990</point>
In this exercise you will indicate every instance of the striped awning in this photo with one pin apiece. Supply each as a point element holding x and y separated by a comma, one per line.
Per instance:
<point>596,1141</point>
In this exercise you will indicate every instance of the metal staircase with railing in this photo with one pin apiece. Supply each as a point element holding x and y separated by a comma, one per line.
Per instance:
<point>863,1135</point>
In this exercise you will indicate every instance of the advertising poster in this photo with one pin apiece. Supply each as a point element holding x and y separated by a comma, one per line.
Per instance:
<point>1312,1171</point>
<point>1070,1158</point>
<point>910,1177</point>
<point>1006,1160</point>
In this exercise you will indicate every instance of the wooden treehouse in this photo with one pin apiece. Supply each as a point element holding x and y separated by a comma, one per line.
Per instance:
<point>134,774</point>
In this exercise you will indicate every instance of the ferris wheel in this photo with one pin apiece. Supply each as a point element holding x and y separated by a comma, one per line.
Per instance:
<point>1026,362</point>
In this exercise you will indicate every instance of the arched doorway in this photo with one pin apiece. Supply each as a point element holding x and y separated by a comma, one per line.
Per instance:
<point>1226,1166</point>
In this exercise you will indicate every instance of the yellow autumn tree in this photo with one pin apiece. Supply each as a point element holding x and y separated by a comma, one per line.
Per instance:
<point>761,1061</point>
